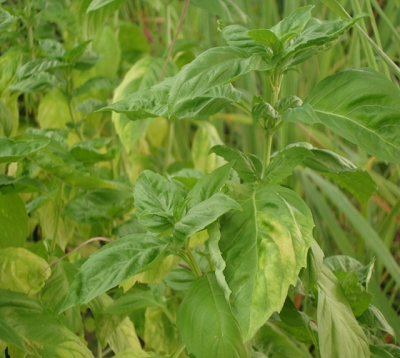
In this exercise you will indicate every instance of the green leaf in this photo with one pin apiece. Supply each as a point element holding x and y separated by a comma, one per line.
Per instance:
<point>37,82</point>
<point>89,105</point>
<point>214,67</point>
<point>359,183</point>
<point>203,214</point>
<point>264,114</point>
<point>248,166</point>
<point>21,269</point>
<point>73,54</point>
<point>237,36</point>
<point>357,296</point>
<point>275,342</point>
<point>10,336</point>
<point>385,351</point>
<point>12,211</point>
<point>89,151</point>
<point>207,103</point>
<point>375,319</point>
<point>216,257</point>
<point>291,316</point>
<point>152,102</point>
<point>316,37</point>
<point>113,264</point>
<point>147,103</point>
<point>267,38</point>
<point>342,170</point>
<point>364,110</point>
<point>105,324</point>
<point>284,162</point>
<point>142,75</point>
<point>53,225</point>
<point>6,20</point>
<point>67,172</point>
<point>52,49</point>
<point>9,185</point>
<point>264,247</point>
<point>288,102</point>
<point>135,299</point>
<point>338,331</point>
<point>342,263</point>
<point>293,25</point>
<point>24,315</point>
<point>55,290</point>
<point>101,205</point>
<point>380,352</point>
<point>38,65</point>
<point>87,61</point>
<point>95,84</point>
<point>206,323</point>
<point>14,150</point>
<point>155,200</point>
<point>326,161</point>
<point>179,279</point>
<point>208,185</point>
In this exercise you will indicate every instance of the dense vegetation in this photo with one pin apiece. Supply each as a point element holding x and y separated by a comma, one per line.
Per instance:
<point>205,178</point>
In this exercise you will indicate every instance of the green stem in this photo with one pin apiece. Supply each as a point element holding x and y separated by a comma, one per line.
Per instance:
<point>107,351</point>
<point>69,101</point>
<point>99,350</point>
<point>29,28</point>
<point>58,214</point>
<point>171,48</point>
<point>179,350</point>
<point>169,315</point>
<point>268,135</point>
<point>192,262</point>
<point>168,148</point>
<point>275,82</point>
<point>168,23</point>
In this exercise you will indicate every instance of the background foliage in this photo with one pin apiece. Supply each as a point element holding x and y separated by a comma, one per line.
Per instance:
<point>67,173</point>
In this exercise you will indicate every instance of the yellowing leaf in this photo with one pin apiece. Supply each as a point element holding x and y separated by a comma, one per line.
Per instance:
<point>20,270</point>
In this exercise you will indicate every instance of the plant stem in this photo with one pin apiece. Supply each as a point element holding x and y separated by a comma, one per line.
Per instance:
<point>179,350</point>
<point>99,350</point>
<point>69,101</point>
<point>29,27</point>
<point>192,262</point>
<point>171,48</point>
<point>168,147</point>
<point>268,135</point>
<point>275,82</point>
<point>57,203</point>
